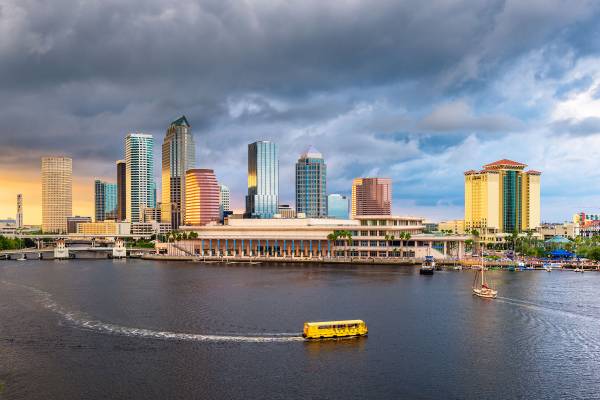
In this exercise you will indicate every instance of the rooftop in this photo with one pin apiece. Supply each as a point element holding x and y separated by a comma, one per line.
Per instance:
<point>311,152</point>
<point>181,121</point>
<point>505,163</point>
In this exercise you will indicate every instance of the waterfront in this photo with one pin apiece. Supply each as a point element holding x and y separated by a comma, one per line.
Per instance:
<point>147,329</point>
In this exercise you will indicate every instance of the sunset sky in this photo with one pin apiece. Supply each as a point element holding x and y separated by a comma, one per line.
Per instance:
<point>412,90</point>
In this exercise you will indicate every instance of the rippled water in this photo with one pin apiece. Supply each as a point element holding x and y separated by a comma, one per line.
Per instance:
<point>138,329</point>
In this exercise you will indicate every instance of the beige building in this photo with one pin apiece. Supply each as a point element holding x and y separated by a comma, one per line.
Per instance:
<point>57,193</point>
<point>456,226</point>
<point>502,198</point>
<point>372,237</point>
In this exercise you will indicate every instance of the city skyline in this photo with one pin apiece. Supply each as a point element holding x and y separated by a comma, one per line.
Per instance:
<point>418,114</point>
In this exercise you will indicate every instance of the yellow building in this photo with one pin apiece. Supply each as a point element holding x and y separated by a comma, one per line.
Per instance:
<point>502,197</point>
<point>455,226</point>
<point>97,228</point>
<point>57,193</point>
<point>355,184</point>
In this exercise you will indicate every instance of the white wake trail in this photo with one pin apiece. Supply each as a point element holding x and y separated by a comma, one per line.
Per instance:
<point>81,321</point>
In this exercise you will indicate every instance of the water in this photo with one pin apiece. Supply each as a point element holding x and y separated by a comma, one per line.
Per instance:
<point>138,329</point>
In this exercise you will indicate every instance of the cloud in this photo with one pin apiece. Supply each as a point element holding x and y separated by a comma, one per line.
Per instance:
<point>369,85</point>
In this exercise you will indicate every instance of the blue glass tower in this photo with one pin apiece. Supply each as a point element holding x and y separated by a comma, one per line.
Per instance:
<point>338,206</point>
<point>263,180</point>
<point>141,188</point>
<point>311,184</point>
<point>105,200</point>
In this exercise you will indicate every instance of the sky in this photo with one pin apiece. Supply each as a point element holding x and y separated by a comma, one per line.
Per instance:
<point>418,91</point>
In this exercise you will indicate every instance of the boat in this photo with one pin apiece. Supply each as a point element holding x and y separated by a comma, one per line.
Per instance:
<point>334,329</point>
<point>483,289</point>
<point>458,268</point>
<point>579,269</point>
<point>428,266</point>
<point>548,267</point>
<point>22,258</point>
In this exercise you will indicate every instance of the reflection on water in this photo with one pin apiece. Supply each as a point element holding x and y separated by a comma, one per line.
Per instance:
<point>317,348</point>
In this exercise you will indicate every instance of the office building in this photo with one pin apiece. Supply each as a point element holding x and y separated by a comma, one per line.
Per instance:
<point>338,206</point>
<point>57,193</point>
<point>19,211</point>
<point>311,184</point>
<point>371,196</point>
<point>263,180</point>
<point>202,197</point>
<point>178,156</point>
<point>140,186</point>
<point>152,214</point>
<point>286,211</point>
<point>502,198</point>
<point>72,223</point>
<point>121,190</point>
<point>224,200</point>
<point>105,201</point>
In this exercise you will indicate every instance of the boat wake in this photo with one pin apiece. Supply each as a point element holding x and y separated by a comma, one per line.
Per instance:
<point>82,321</point>
<point>534,306</point>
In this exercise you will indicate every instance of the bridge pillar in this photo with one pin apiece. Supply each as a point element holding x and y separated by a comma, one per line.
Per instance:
<point>61,251</point>
<point>119,251</point>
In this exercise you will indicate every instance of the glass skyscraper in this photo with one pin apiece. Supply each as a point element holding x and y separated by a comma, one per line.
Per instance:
<point>178,156</point>
<point>263,180</point>
<point>139,159</point>
<point>105,200</point>
<point>121,190</point>
<point>311,184</point>
<point>338,206</point>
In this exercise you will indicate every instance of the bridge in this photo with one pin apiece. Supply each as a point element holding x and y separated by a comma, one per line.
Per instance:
<point>62,251</point>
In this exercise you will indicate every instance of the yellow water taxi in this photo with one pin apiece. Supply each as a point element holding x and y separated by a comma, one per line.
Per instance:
<point>335,329</point>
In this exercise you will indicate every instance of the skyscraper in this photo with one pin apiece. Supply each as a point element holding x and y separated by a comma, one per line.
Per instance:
<point>502,197</point>
<point>263,180</point>
<point>139,159</point>
<point>311,184</point>
<point>338,206</point>
<point>121,190</point>
<point>178,155</point>
<point>224,199</point>
<point>105,200</point>
<point>371,196</point>
<point>19,211</point>
<point>202,197</point>
<point>57,193</point>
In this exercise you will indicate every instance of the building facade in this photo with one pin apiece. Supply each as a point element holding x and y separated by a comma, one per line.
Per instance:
<point>224,200</point>
<point>105,201</point>
<point>57,193</point>
<point>139,177</point>
<point>202,197</point>
<point>455,226</point>
<point>72,223</point>
<point>372,237</point>
<point>311,184</point>
<point>263,180</point>
<point>19,211</point>
<point>285,211</point>
<point>178,156</point>
<point>152,214</point>
<point>371,196</point>
<point>338,206</point>
<point>502,198</point>
<point>121,190</point>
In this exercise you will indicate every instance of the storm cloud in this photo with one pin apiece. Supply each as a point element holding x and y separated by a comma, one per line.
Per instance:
<point>379,87</point>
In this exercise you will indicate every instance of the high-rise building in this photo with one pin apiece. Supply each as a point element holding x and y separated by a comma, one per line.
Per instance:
<point>202,197</point>
<point>121,190</point>
<point>178,155</point>
<point>105,200</point>
<point>371,196</point>
<point>311,184</point>
<point>152,214</point>
<point>224,200</point>
<point>263,180</point>
<point>502,197</point>
<point>19,211</point>
<point>57,193</point>
<point>338,206</point>
<point>140,186</point>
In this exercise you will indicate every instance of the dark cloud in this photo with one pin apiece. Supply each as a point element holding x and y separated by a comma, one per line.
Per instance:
<point>366,82</point>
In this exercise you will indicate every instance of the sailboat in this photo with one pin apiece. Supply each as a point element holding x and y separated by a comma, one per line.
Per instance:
<point>483,289</point>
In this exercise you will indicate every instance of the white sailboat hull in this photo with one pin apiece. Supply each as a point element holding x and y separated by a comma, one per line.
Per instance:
<point>485,293</point>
